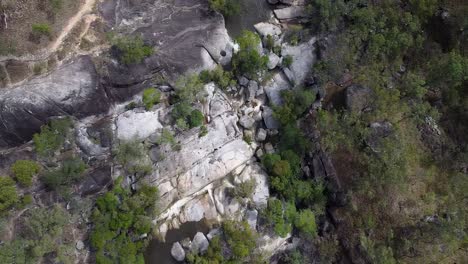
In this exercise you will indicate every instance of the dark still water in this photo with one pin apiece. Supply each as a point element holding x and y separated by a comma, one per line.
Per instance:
<point>160,252</point>
<point>252,12</point>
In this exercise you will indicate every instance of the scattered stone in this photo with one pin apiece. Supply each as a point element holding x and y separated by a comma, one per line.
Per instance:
<point>252,90</point>
<point>273,61</point>
<point>243,81</point>
<point>199,243</point>
<point>177,252</point>
<point>269,149</point>
<point>259,153</point>
<point>186,243</point>
<point>247,122</point>
<point>268,119</point>
<point>261,135</point>
<point>251,218</point>
<point>80,245</point>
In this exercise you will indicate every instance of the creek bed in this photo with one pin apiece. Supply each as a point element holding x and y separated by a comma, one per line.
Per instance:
<point>252,12</point>
<point>160,252</point>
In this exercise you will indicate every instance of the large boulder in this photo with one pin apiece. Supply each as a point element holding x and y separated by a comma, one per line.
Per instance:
<point>185,35</point>
<point>73,89</point>
<point>303,56</point>
<point>273,88</point>
<point>177,252</point>
<point>199,243</point>
<point>358,98</point>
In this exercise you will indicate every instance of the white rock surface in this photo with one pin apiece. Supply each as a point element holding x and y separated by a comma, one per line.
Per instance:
<point>265,29</point>
<point>268,119</point>
<point>177,252</point>
<point>273,60</point>
<point>137,125</point>
<point>303,57</point>
<point>273,88</point>
<point>199,243</point>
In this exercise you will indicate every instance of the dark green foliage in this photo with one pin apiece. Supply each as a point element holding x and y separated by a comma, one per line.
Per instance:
<point>219,76</point>
<point>196,118</point>
<point>120,218</point>
<point>186,116</point>
<point>291,137</point>
<point>295,104</point>
<point>226,7</point>
<point>8,195</point>
<point>248,60</point>
<point>24,170</point>
<point>52,136</point>
<point>270,43</point>
<point>131,50</point>
<point>151,96</point>
<point>70,172</point>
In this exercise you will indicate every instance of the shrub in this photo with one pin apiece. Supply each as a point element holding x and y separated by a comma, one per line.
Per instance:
<point>151,96</point>
<point>240,238</point>
<point>8,194</point>
<point>39,30</point>
<point>129,151</point>
<point>70,171</point>
<point>248,60</point>
<point>52,136</point>
<point>219,76</point>
<point>226,7</point>
<point>188,88</point>
<point>305,222</point>
<point>203,131</point>
<point>166,138</point>
<point>244,189</point>
<point>196,118</point>
<point>131,50</point>
<point>24,170</point>
<point>287,61</point>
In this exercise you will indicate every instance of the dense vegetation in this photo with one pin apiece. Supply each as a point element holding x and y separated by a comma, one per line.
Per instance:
<point>43,234</point>
<point>24,170</point>
<point>120,219</point>
<point>151,96</point>
<point>51,137</point>
<point>249,60</point>
<point>417,79</point>
<point>130,50</point>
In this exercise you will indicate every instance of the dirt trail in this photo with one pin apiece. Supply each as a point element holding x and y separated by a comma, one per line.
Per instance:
<point>84,12</point>
<point>84,9</point>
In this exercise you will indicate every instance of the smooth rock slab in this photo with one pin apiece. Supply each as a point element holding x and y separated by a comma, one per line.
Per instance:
<point>274,87</point>
<point>137,125</point>
<point>72,89</point>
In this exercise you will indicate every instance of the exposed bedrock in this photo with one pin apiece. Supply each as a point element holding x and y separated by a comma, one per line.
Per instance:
<point>185,35</point>
<point>73,89</point>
